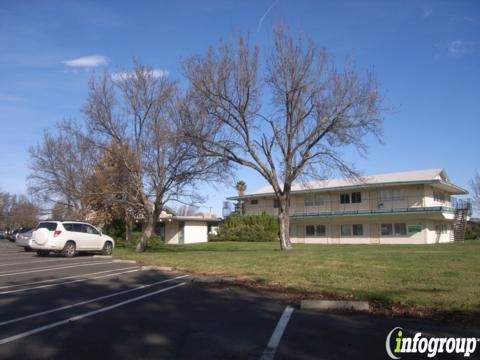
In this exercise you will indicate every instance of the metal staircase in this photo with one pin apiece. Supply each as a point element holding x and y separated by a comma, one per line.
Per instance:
<point>462,211</point>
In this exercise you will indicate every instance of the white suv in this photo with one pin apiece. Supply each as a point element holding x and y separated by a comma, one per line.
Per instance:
<point>68,238</point>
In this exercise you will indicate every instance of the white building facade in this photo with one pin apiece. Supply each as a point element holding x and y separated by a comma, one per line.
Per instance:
<point>415,207</point>
<point>178,230</point>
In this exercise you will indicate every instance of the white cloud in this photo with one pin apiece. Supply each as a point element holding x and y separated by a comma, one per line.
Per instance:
<point>427,12</point>
<point>87,61</point>
<point>122,75</point>
<point>460,48</point>
<point>4,97</point>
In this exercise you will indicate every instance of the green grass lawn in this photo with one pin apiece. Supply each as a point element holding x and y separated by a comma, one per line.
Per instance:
<point>445,277</point>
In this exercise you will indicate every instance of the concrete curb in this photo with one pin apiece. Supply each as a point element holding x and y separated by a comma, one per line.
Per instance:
<point>334,305</point>
<point>124,261</point>
<point>159,268</point>
<point>212,279</point>
<point>103,256</point>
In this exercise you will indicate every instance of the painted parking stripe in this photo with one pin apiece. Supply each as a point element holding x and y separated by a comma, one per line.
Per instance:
<point>55,268</point>
<point>61,262</point>
<point>83,316</point>
<point>40,261</point>
<point>89,301</point>
<point>18,258</point>
<point>66,282</point>
<point>272,345</point>
<point>48,266</point>
<point>64,278</point>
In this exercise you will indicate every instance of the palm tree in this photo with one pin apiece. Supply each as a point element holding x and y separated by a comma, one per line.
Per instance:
<point>241,187</point>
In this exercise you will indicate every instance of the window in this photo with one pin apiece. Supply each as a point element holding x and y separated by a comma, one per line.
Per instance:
<point>345,230</point>
<point>91,230</point>
<point>344,198</point>
<point>276,203</point>
<point>314,200</point>
<point>386,229</point>
<point>50,226</point>
<point>315,230</point>
<point>385,195</point>
<point>356,197</point>
<point>398,194</point>
<point>309,230</point>
<point>412,229</point>
<point>357,229</point>
<point>68,226</point>
<point>320,230</point>
<point>254,202</point>
<point>439,197</point>
<point>444,228</point>
<point>76,227</point>
<point>400,229</point>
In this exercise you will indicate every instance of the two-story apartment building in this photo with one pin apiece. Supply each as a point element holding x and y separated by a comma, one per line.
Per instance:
<point>415,207</point>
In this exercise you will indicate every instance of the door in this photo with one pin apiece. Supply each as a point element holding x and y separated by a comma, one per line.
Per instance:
<point>375,233</point>
<point>88,238</point>
<point>181,232</point>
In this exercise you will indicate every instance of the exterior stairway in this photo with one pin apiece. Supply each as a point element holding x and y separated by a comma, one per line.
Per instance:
<point>462,211</point>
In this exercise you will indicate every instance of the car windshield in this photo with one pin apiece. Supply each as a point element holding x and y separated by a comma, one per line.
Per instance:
<point>51,226</point>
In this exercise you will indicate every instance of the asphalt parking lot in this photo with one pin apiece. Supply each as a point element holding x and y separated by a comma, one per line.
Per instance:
<point>96,308</point>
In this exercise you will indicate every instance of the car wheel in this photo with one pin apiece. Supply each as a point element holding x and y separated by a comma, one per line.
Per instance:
<point>43,253</point>
<point>27,248</point>
<point>69,249</point>
<point>107,248</point>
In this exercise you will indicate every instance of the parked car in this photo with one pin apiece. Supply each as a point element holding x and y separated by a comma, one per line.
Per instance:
<point>13,234</point>
<point>23,238</point>
<point>69,238</point>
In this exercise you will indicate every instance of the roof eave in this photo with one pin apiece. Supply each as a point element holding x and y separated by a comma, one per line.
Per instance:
<point>454,189</point>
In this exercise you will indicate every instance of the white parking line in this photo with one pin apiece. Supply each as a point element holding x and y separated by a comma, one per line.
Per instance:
<point>79,317</point>
<point>66,282</point>
<point>64,278</point>
<point>41,261</point>
<point>89,301</point>
<point>17,258</point>
<point>272,345</point>
<point>55,268</point>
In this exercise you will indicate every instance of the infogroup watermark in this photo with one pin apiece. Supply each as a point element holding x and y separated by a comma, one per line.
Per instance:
<point>398,343</point>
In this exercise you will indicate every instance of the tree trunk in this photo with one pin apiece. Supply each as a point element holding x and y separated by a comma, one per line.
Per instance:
<point>284,222</point>
<point>128,229</point>
<point>149,227</point>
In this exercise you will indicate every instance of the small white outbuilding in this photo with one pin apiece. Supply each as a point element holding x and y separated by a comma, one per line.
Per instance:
<point>175,229</point>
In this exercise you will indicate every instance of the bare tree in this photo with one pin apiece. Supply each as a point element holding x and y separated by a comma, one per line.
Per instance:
<point>17,211</point>
<point>475,185</point>
<point>144,112</point>
<point>59,166</point>
<point>316,109</point>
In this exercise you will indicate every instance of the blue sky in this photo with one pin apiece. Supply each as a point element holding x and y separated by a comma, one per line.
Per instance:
<point>426,55</point>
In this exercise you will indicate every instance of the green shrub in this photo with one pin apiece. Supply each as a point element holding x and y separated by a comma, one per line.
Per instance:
<point>116,229</point>
<point>472,233</point>
<point>254,228</point>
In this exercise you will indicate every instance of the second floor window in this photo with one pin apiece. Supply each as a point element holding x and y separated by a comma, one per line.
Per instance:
<point>439,197</point>
<point>356,197</point>
<point>344,198</point>
<point>314,200</point>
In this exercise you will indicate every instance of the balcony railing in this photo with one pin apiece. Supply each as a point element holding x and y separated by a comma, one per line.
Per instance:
<point>372,206</point>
